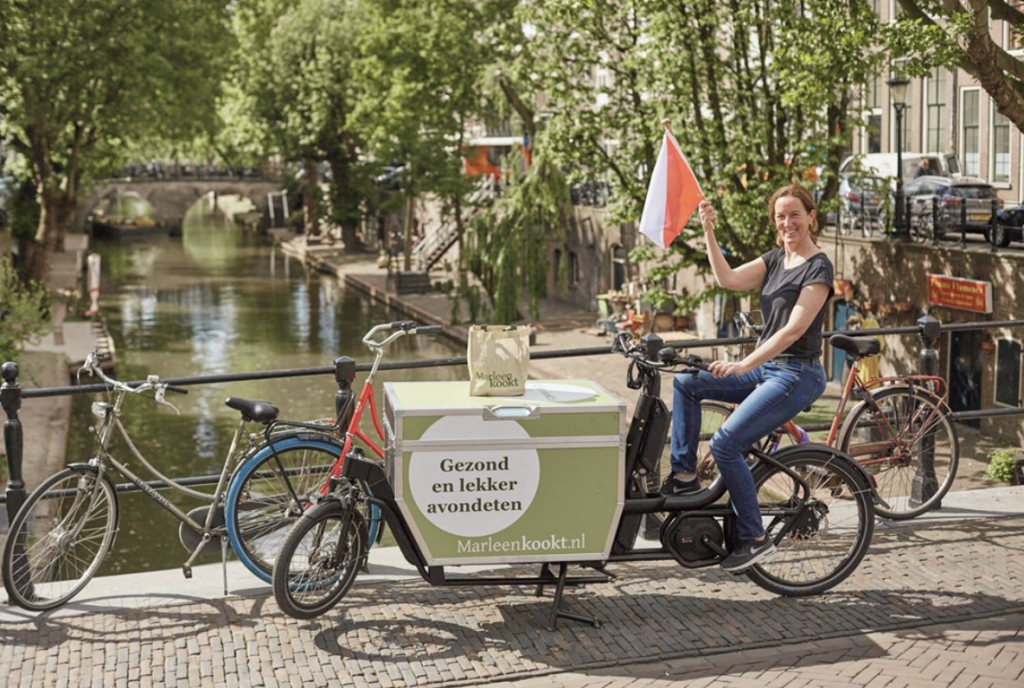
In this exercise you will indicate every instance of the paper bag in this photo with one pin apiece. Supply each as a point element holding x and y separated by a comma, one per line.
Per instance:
<point>499,360</point>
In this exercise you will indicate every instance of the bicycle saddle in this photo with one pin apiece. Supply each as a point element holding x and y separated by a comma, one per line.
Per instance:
<point>259,411</point>
<point>855,346</point>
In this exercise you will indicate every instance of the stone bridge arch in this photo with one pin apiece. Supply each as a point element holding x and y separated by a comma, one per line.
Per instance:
<point>171,198</point>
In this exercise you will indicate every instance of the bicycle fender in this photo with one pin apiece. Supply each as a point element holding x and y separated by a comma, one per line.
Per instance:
<point>910,389</point>
<point>833,454</point>
<point>297,435</point>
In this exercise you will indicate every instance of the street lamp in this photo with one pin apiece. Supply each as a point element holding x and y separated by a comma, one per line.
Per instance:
<point>898,92</point>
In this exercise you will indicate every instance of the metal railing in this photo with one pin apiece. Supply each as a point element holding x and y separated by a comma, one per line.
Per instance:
<point>927,329</point>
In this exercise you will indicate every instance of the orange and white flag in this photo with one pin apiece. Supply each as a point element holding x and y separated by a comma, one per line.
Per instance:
<point>672,196</point>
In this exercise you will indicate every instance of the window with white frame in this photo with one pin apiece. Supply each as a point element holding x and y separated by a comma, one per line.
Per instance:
<point>936,130</point>
<point>871,141</point>
<point>872,100</point>
<point>1000,158</point>
<point>970,131</point>
<point>1008,359</point>
<point>875,133</point>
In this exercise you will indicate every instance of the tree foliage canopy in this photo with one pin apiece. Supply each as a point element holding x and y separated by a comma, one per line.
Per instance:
<point>960,33</point>
<point>80,79</point>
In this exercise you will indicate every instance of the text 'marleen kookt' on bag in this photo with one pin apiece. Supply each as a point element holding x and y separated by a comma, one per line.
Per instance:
<point>499,360</point>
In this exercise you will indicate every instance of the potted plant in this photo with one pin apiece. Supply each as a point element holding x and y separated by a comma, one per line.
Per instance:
<point>1005,465</point>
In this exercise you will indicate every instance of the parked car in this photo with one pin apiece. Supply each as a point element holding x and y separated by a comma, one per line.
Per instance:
<point>1009,225</point>
<point>963,203</point>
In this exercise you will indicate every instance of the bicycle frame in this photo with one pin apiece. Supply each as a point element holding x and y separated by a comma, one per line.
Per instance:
<point>112,421</point>
<point>366,398</point>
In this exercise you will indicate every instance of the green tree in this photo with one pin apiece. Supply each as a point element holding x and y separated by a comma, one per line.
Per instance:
<point>419,75</point>
<point>507,247</point>
<point>292,91</point>
<point>22,311</point>
<point>77,80</point>
<point>958,33</point>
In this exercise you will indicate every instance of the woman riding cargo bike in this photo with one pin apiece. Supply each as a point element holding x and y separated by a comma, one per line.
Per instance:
<point>779,378</point>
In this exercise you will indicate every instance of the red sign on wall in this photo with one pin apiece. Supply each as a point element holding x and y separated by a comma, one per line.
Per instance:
<point>959,293</point>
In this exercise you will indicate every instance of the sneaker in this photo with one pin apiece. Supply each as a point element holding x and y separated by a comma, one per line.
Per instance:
<point>674,487</point>
<point>747,554</point>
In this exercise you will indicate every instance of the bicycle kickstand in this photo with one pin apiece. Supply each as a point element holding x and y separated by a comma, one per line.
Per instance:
<point>224,562</point>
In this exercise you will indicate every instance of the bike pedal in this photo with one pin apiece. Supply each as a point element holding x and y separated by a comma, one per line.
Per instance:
<point>187,570</point>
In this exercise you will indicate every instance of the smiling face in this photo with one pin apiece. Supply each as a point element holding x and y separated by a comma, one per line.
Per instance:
<point>793,222</point>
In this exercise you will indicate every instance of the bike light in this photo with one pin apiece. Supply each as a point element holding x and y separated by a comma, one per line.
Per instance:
<point>100,409</point>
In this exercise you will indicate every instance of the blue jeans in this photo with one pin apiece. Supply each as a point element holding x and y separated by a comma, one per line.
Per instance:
<point>768,397</point>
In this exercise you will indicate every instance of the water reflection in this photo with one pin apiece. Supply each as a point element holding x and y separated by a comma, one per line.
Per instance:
<point>219,300</point>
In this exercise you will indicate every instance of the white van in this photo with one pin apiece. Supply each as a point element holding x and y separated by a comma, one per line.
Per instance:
<point>884,165</point>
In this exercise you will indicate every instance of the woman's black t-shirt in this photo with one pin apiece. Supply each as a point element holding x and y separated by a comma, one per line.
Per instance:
<point>780,292</point>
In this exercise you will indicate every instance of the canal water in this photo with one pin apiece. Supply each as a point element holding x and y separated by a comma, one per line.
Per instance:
<point>220,300</point>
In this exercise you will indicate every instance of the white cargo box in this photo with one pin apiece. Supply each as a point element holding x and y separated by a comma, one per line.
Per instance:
<point>532,478</point>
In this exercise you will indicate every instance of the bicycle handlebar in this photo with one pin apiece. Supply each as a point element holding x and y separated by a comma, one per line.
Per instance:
<point>92,366</point>
<point>664,359</point>
<point>397,329</point>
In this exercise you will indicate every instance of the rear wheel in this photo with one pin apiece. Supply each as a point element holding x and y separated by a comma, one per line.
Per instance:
<point>271,491</point>
<point>824,543</point>
<point>319,559</point>
<point>904,440</point>
<point>59,538</point>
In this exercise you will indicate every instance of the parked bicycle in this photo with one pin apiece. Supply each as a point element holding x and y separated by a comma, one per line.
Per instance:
<point>901,432</point>
<point>269,492</point>
<point>815,501</point>
<point>62,534</point>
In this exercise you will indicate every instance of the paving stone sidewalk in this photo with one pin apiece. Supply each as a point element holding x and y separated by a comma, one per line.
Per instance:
<point>658,619</point>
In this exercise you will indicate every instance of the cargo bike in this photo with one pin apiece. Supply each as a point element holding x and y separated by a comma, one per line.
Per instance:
<point>554,478</point>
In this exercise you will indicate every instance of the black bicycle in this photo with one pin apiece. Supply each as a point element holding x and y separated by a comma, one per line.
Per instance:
<point>815,502</point>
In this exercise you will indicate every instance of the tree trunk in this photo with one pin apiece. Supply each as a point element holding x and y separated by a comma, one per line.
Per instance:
<point>310,197</point>
<point>341,206</point>
<point>55,213</point>
<point>407,231</point>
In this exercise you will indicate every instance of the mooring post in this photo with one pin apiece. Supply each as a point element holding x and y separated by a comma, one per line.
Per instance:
<point>10,399</point>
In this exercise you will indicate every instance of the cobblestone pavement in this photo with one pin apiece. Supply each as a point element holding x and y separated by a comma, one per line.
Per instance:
<point>704,627</point>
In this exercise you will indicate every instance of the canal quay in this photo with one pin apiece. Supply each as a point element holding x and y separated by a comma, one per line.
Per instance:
<point>938,601</point>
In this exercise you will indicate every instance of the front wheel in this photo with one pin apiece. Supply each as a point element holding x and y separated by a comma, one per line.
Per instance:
<point>59,538</point>
<point>819,546</point>
<point>319,559</point>
<point>904,440</point>
<point>271,490</point>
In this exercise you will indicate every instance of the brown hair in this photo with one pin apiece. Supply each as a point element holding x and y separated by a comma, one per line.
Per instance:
<point>801,194</point>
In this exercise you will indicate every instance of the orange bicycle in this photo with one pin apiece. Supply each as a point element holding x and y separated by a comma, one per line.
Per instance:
<point>900,432</point>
